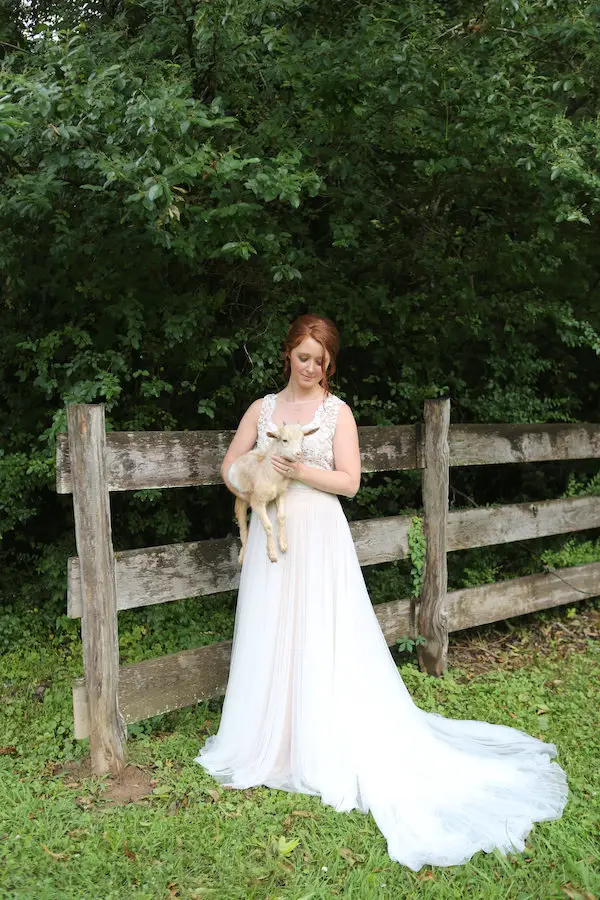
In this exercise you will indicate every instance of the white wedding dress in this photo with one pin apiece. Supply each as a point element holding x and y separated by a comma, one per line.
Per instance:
<point>315,703</point>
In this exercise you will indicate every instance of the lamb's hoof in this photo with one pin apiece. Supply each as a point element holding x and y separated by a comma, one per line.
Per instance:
<point>273,557</point>
<point>241,557</point>
<point>283,546</point>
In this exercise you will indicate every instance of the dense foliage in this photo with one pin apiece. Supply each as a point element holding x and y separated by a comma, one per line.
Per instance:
<point>179,180</point>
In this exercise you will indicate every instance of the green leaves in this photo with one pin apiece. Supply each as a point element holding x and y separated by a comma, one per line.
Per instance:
<point>416,549</point>
<point>178,184</point>
<point>154,192</point>
<point>285,847</point>
<point>283,183</point>
<point>242,249</point>
<point>407,644</point>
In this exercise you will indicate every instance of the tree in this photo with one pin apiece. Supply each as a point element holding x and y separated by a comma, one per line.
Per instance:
<point>179,181</point>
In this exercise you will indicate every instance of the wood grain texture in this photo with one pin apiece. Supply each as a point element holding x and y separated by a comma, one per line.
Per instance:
<point>154,459</point>
<point>432,624</point>
<point>520,521</point>
<point>394,619</point>
<point>91,505</point>
<point>472,445</point>
<point>172,572</point>
<point>154,575</point>
<point>385,448</point>
<point>158,459</point>
<point>160,685</point>
<point>518,596</point>
<point>193,675</point>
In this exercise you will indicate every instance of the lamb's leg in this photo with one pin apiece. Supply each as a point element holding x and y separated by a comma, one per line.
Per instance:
<point>280,501</point>
<point>261,512</point>
<point>241,510</point>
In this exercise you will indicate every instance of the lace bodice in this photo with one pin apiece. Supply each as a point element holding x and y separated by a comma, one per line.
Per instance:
<point>318,447</point>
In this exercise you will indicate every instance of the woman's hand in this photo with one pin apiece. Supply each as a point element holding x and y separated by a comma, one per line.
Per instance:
<point>289,468</point>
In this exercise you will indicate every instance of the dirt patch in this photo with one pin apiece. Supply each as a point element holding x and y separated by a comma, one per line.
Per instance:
<point>513,645</point>
<point>135,783</point>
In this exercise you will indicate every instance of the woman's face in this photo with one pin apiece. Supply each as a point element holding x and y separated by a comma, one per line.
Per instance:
<point>308,363</point>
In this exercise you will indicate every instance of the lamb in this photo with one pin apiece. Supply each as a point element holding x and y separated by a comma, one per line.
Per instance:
<point>253,474</point>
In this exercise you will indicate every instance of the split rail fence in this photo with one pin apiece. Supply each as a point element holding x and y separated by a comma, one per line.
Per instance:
<point>91,464</point>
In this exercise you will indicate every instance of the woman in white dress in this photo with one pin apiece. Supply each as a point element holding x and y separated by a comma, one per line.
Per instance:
<point>309,661</point>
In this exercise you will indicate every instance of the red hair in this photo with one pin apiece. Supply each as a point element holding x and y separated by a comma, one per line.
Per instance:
<point>321,330</point>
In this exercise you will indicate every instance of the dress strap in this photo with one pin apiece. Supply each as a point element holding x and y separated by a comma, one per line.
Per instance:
<point>266,412</point>
<point>329,414</point>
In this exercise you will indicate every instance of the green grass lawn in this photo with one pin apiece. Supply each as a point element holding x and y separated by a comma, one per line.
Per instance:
<point>63,835</point>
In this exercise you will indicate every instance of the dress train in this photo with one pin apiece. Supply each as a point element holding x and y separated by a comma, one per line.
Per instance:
<point>315,704</point>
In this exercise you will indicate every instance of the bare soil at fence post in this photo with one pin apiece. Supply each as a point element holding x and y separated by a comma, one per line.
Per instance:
<point>135,783</point>
<point>512,645</point>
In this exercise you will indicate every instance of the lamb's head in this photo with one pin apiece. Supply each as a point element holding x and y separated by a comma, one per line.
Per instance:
<point>287,439</point>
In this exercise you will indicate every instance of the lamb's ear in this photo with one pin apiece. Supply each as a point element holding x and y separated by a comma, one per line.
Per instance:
<point>311,431</point>
<point>271,434</point>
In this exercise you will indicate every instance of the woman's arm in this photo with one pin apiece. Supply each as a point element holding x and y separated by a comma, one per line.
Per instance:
<point>243,440</point>
<point>345,479</point>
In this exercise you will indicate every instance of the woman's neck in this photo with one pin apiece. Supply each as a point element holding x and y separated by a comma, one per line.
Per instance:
<point>294,393</point>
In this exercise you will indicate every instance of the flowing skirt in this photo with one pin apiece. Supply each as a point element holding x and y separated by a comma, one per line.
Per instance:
<point>315,705</point>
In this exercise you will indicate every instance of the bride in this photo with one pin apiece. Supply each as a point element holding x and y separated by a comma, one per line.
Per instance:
<point>309,663</point>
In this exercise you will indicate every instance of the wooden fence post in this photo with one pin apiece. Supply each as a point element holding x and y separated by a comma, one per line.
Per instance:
<point>432,619</point>
<point>91,504</point>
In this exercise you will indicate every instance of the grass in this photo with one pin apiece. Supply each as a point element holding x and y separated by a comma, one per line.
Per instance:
<point>66,835</point>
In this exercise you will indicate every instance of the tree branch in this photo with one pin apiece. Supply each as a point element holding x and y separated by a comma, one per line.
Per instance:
<point>540,40</point>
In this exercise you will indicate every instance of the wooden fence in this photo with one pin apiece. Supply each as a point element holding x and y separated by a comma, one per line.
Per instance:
<point>91,464</point>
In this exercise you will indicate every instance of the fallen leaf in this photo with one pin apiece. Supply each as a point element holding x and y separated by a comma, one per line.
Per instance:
<point>55,855</point>
<point>127,851</point>
<point>162,790</point>
<point>576,893</point>
<point>214,794</point>
<point>285,847</point>
<point>303,813</point>
<point>8,751</point>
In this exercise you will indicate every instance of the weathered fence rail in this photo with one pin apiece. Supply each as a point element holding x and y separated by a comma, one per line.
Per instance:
<point>91,464</point>
<point>160,459</point>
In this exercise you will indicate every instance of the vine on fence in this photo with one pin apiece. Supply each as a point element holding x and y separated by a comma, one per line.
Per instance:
<point>416,552</point>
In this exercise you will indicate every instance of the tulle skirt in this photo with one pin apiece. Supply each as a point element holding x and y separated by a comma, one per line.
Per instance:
<point>315,705</point>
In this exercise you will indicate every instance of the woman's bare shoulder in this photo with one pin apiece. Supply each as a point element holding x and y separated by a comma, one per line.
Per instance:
<point>339,405</point>
<point>253,412</point>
